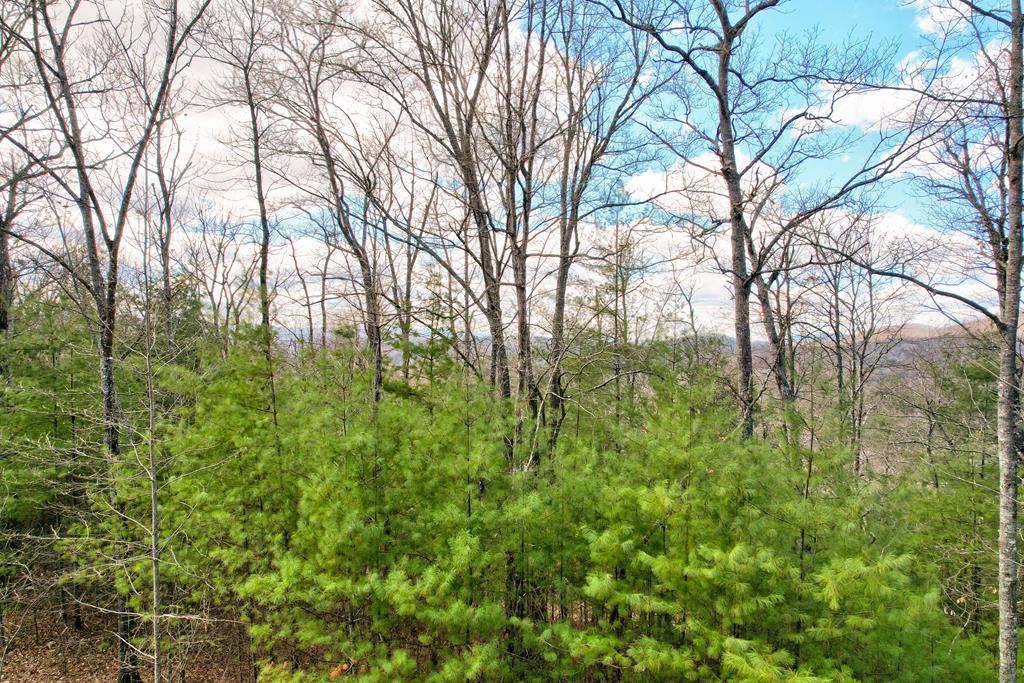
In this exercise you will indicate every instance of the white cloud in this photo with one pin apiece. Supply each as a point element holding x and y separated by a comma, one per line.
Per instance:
<point>935,16</point>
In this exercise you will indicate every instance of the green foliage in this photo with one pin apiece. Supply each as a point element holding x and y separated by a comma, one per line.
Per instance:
<point>401,544</point>
<point>48,407</point>
<point>434,536</point>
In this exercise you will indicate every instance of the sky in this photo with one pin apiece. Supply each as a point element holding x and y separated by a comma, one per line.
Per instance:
<point>903,25</point>
<point>896,22</point>
<point>885,19</point>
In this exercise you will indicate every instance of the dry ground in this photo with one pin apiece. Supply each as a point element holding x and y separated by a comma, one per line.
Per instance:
<point>45,650</point>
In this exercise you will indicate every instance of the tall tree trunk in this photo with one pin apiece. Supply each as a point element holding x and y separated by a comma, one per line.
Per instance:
<point>525,386</point>
<point>569,202</point>
<point>1008,411</point>
<point>740,277</point>
<point>154,491</point>
<point>343,219</point>
<point>406,314</point>
<point>373,322</point>
<point>1007,417</point>
<point>492,290</point>
<point>164,235</point>
<point>554,401</point>
<point>738,232</point>
<point>261,203</point>
<point>127,662</point>
<point>6,284</point>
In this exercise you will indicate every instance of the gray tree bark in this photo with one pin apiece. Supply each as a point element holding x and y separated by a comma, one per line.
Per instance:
<point>1008,411</point>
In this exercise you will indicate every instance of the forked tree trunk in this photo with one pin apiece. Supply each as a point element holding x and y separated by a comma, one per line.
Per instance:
<point>738,234</point>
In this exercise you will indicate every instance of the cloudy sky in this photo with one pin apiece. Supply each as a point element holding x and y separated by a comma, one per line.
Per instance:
<point>905,25</point>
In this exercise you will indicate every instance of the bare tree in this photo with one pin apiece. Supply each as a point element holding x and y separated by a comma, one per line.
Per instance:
<point>593,146</point>
<point>244,34</point>
<point>171,165</point>
<point>975,175</point>
<point>116,99</point>
<point>28,145</point>
<point>219,258</point>
<point>749,151</point>
<point>853,311</point>
<point>432,60</point>
<point>311,74</point>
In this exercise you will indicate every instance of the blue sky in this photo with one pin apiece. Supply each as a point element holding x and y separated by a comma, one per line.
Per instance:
<point>881,22</point>
<point>884,19</point>
<point>885,22</point>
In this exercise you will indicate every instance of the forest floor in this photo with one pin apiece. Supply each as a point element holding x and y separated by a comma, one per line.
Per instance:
<point>45,650</point>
